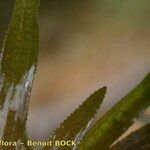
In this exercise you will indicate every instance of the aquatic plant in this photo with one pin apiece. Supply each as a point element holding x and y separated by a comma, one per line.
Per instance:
<point>17,68</point>
<point>18,63</point>
<point>78,123</point>
<point>118,119</point>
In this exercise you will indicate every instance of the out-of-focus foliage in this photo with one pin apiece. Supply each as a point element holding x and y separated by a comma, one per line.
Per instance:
<point>139,140</point>
<point>65,19</point>
<point>77,124</point>
<point>6,7</point>
<point>125,10</point>
<point>116,121</point>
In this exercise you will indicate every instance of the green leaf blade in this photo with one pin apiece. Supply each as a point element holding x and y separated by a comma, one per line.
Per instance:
<point>77,123</point>
<point>118,119</point>
<point>17,70</point>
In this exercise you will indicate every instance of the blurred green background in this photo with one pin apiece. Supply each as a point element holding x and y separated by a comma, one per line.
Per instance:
<point>85,44</point>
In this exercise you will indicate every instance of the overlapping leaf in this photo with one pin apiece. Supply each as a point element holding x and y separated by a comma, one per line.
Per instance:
<point>118,119</point>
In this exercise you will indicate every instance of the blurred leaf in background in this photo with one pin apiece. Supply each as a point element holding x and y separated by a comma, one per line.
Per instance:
<point>6,7</point>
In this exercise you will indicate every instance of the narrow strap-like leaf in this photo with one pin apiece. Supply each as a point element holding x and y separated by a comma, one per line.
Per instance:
<point>17,69</point>
<point>22,41</point>
<point>75,126</point>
